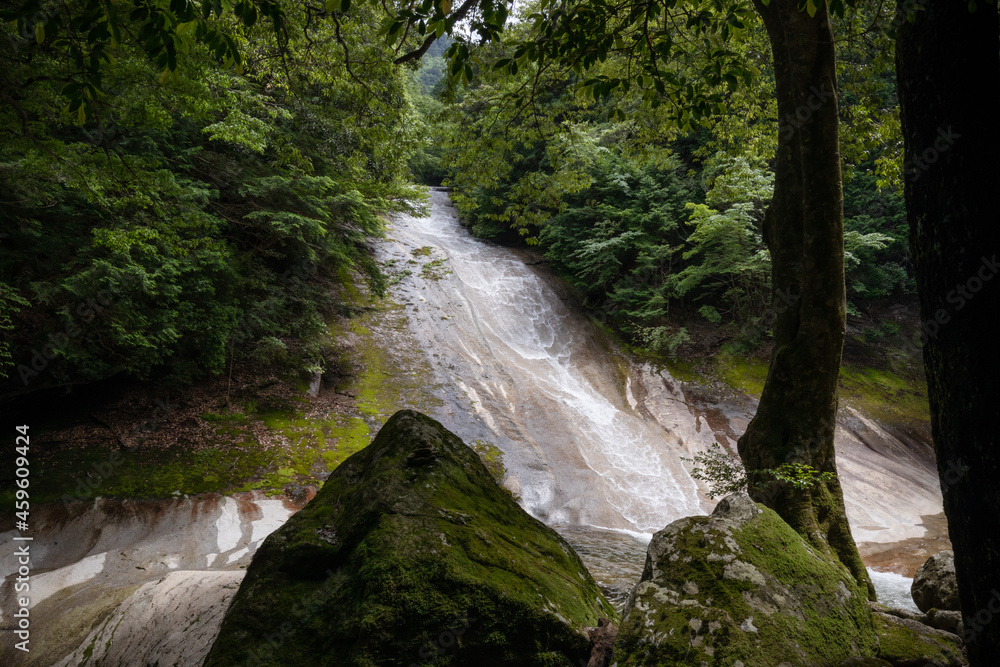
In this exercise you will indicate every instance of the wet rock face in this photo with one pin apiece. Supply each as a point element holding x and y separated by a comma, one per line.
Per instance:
<point>934,585</point>
<point>411,554</point>
<point>741,587</point>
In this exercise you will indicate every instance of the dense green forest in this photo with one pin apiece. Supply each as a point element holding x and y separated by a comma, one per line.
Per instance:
<point>645,215</point>
<point>178,218</point>
<point>167,221</point>
<point>187,186</point>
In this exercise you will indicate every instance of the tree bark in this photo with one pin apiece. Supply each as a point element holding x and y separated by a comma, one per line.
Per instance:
<point>948,72</point>
<point>804,230</point>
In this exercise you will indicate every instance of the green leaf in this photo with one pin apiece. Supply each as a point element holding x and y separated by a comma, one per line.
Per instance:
<point>39,32</point>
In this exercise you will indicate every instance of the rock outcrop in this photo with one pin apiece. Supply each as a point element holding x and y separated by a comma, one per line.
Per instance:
<point>907,642</point>
<point>172,621</point>
<point>935,585</point>
<point>411,554</point>
<point>742,588</point>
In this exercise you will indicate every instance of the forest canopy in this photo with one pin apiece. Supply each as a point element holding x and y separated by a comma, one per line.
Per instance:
<point>181,214</point>
<point>187,183</point>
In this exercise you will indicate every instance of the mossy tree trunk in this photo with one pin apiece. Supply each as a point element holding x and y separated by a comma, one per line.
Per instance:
<point>804,230</point>
<point>948,70</point>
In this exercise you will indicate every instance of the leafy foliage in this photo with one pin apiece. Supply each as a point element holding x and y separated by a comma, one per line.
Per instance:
<point>876,240</point>
<point>190,218</point>
<point>725,474</point>
<point>616,204</point>
<point>223,204</point>
<point>733,266</point>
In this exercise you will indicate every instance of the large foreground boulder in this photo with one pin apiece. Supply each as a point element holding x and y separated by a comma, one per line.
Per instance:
<point>742,588</point>
<point>411,554</point>
<point>935,585</point>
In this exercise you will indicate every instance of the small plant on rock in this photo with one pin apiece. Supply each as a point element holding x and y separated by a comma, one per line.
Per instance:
<point>725,474</point>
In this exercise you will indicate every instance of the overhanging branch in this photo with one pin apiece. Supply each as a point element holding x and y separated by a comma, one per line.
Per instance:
<point>459,14</point>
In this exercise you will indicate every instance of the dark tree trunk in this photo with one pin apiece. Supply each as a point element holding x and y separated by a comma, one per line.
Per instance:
<point>948,72</point>
<point>804,230</point>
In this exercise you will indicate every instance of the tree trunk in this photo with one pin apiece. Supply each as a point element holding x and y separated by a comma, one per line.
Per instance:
<point>804,230</point>
<point>948,71</point>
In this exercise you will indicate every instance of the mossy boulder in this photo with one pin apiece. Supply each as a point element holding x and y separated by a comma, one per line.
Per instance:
<point>907,642</point>
<point>411,554</point>
<point>742,588</point>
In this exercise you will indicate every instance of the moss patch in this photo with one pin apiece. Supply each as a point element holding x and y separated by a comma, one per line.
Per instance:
<point>270,435</point>
<point>719,590</point>
<point>492,458</point>
<point>886,395</point>
<point>423,251</point>
<point>411,553</point>
<point>745,374</point>
<point>683,370</point>
<point>891,395</point>
<point>909,642</point>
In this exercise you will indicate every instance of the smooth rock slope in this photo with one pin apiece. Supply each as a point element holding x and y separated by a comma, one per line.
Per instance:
<point>172,621</point>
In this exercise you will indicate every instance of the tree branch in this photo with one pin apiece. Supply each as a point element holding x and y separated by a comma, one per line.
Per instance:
<point>457,16</point>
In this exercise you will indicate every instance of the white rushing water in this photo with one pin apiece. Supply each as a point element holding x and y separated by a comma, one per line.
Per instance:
<point>536,377</point>
<point>592,443</point>
<point>593,446</point>
<point>893,589</point>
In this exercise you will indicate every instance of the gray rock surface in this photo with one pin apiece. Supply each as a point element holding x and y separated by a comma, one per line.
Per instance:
<point>172,621</point>
<point>741,587</point>
<point>935,586</point>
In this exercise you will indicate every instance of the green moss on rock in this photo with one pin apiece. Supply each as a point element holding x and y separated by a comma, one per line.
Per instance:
<point>906,642</point>
<point>411,554</point>
<point>742,587</point>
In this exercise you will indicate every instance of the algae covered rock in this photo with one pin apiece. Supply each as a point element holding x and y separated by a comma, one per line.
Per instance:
<point>904,641</point>
<point>411,554</point>
<point>742,588</point>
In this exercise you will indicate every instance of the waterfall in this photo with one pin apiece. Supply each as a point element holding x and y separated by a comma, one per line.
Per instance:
<point>592,442</point>
<point>543,386</point>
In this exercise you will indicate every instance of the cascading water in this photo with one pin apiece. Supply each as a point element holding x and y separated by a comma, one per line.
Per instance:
<point>593,444</point>
<point>536,377</point>
<point>593,447</point>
